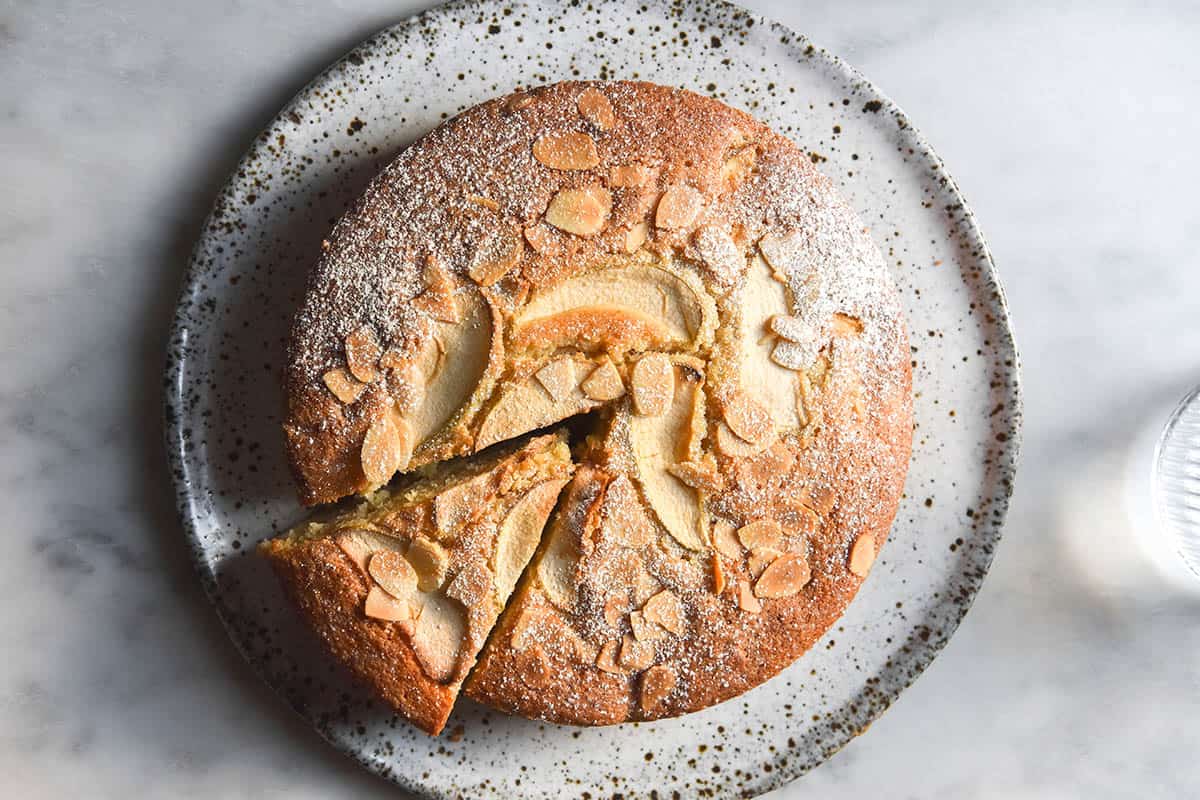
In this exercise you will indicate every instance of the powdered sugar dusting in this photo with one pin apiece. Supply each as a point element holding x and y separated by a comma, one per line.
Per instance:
<point>450,192</point>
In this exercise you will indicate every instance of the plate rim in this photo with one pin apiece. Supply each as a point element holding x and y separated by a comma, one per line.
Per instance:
<point>177,360</point>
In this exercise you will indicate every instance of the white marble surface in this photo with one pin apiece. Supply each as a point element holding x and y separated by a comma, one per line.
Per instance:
<point>1072,129</point>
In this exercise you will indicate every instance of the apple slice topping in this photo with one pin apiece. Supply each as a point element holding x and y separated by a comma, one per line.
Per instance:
<point>638,306</point>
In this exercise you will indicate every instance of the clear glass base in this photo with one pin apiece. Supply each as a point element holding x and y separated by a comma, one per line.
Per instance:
<point>1175,484</point>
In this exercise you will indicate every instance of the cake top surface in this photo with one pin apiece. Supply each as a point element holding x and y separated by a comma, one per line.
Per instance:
<point>673,265</point>
<point>582,218</point>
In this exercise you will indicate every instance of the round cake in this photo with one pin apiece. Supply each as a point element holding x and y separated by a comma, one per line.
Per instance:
<point>681,282</point>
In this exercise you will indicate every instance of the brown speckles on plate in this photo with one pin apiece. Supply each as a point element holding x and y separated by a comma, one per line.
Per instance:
<point>222,407</point>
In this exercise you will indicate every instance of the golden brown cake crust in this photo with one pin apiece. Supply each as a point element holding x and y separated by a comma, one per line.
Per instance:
<point>330,591</point>
<point>451,193</point>
<point>799,379</point>
<point>465,514</point>
<point>725,650</point>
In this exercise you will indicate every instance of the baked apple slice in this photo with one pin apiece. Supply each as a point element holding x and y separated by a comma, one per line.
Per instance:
<point>405,588</point>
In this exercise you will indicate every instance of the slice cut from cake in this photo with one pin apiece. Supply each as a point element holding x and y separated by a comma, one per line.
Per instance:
<point>405,587</point>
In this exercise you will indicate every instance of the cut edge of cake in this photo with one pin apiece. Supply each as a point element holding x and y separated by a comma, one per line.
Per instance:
<point>404,588</point>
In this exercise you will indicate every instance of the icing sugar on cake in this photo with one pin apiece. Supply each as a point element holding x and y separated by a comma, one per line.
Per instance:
<point>684,274</point>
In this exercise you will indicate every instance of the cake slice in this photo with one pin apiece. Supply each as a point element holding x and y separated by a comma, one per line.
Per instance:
<point>405,587</point>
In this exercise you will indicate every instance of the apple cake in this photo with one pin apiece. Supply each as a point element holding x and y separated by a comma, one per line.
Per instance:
<point>682,284</point>
<point>405,587</point>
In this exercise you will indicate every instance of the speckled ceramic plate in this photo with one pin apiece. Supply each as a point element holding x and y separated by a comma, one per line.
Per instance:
<point>249,267</point>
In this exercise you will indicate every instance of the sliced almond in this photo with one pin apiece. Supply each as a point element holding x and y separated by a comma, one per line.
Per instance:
<point>635,656</point>
<point>678,207</point>
<point>738,167</point>
<point>726,541</point>
<point>407,436</point>
<point>615,606</point>
<point>628,175</point>
<point>496,256</point>
<point>343,385</point>
<point>438,638</point>
<point>430,561</point>
<point>636,236</point>
<point>746,600</point>
<point>542,239</point>
<point>645,586</point>
<point>472,586</point>
<point>438,299</point>
<point>747,418</point>
<point>595,107</point>
<point>657,684</point>
<point>583,651</point>
<point>604,383</point>
<point>807,520</point>
<point>761,533</point>
<point>758,471</point>
<point>362,353</point>
<point>606,659</point>
<point>845,325</point>
<point>795,356</point>
<point>783,251</point>
<point>820,498</point>
<point>558,378</point>
<point>718,574</point>
<point>700,475</point>
<point>520,532</point>
<point>386,448</point>
<point>462,503</point>
<point>533,668</point>
<point>526,629</point>
<point>666,609</point>
<point>393,573</point>
<point>566,151</point>
<point>360,545</point>
<point>382,606</point>
<point>652,384</point>
<point>643,629</point>
<point>719,253</point>
<point>759,559</point>
<point>784,577</point>
<point>792,328</point>
<point>733,445</point>
<point>862,555</point>
<point>583,212</point>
